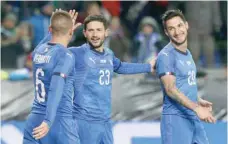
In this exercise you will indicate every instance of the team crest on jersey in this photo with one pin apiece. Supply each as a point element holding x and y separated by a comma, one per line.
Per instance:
<point>188,62</point>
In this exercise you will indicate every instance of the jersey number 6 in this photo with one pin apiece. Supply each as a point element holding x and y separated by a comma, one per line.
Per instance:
<point>40,94</point>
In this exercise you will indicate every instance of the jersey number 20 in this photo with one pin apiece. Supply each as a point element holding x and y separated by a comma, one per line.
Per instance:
<point>40,96</point>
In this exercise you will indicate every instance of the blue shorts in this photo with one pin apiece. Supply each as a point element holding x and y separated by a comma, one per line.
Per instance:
<point>34,120</point>
<point>180,130</point>
<point>64,130</point>
<point>91,132</point>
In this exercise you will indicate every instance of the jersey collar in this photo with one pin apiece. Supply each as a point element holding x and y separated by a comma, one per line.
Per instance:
<point>53,44</point>
<point>97,52</point>
<point>181,52</point>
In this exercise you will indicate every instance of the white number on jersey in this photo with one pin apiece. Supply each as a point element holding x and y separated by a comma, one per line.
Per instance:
<point>40,96</point>
<point>191,78</point>
<point>104,78</point>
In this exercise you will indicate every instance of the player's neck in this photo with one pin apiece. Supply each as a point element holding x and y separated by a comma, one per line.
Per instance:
<point>59,40</point>
<point>100,49</point>
<point>182,47</point>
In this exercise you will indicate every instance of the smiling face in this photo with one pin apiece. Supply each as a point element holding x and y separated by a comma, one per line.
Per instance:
<point>177,30</point>
<point>95,33</point>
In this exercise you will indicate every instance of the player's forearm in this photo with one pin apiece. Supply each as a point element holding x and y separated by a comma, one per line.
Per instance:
<point>178,96</point>
<point>133,68</point>
<point>54,97</point>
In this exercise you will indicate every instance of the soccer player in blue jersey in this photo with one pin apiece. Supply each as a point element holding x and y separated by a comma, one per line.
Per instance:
<point>95,66</point>
<point>183,110</point>
<point>53,69</point>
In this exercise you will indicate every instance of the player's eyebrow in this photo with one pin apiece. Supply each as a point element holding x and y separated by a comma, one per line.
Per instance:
<point>90,29</point>
<point>99,28</point>
<point>170,27</point>
<point>180,23</point>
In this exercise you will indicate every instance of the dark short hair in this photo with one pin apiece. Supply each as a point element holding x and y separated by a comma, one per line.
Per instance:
<point>169,14</point>
<point>99,18</point>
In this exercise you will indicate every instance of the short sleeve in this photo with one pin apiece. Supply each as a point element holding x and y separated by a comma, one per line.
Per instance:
<point>165,64</point>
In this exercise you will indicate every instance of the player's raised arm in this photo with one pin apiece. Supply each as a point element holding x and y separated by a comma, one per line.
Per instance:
<point>164,68</point>
<point>132,68</point>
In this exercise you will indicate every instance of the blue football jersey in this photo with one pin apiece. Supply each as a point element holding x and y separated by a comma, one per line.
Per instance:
<point>52,59</point>
<point>93,83</point>
<point>172,61</point>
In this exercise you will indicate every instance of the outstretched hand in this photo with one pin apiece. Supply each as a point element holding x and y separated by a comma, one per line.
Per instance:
<point>74,16</point>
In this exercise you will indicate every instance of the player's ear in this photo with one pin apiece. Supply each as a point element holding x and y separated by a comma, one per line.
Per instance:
<point>107,31</point>
<point>71,32</point>
<point>186,24</point>
<point>50,29</point>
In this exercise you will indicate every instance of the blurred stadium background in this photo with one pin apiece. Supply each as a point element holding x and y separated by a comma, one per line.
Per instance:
<point>136,35</point>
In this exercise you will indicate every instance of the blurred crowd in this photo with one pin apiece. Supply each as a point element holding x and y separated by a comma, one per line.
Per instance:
<point>136,32</point>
